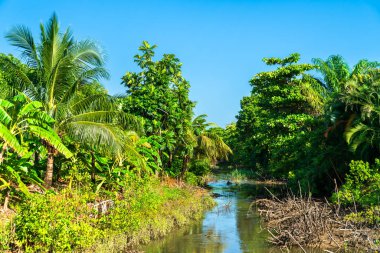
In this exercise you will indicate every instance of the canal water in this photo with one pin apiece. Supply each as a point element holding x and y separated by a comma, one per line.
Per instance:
<point>228,228</point>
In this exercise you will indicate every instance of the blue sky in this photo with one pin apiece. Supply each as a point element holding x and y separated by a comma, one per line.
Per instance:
<point>221,43</point>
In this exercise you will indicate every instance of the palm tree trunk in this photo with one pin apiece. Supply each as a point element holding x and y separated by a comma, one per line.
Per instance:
<point>93,167</point>
<point>49,167</point>
<point>185,165</point>
<point>6,200</point>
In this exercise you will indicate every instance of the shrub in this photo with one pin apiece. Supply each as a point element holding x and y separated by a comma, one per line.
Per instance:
<point>56,223</point>
<point>142,210</point>
<point>200,167</point>
<point>362,185</point>
<point>191,178</point>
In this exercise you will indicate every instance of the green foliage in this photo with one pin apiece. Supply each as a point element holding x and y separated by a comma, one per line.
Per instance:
<point>306,128</point>
<point>68,221</point>
<point>362,186</point>
<point>191,178</point>
<point>239,175</point>
<point>200,167</point>
<point>58,223</point>
<point>22,125</point>
<point>7,236</point>
<point>209,143</point>
<point>370,216</point>
<point>160,94</point>
<point>62,78</point>
<point>282,106</point>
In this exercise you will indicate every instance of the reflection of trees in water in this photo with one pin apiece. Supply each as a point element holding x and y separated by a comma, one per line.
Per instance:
<point>251,234</point>
<point>191,240</point>
<point>252,238</point>
<point>207,239</point>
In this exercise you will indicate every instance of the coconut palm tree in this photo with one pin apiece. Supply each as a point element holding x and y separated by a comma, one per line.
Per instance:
<point>208,143</point>
<point>61,66</point>
<point>336,73</point>
<point>362,96</point>
<point>352,103</point>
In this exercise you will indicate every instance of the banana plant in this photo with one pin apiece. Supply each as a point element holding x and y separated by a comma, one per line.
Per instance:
<point>22,120</point>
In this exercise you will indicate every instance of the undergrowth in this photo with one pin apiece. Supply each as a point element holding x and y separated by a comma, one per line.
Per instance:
<point>72,220</point>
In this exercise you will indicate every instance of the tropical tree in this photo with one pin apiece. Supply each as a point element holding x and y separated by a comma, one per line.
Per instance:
<point>209,144</point>
<point>351,100</point>
<point>13,76</point>
<point>362,97</point>
<point>336,73</point>
<point>61,66</point>
<point>282,108</point>
<point>160,94</point>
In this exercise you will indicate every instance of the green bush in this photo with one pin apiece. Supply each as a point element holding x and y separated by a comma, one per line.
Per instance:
<point>362,186</point>
<point>200,167</point>
<point>370,216</point>
<point>239,175</point>
<point>191,178</point>
<point>6,231</point>
<point>56,223</point>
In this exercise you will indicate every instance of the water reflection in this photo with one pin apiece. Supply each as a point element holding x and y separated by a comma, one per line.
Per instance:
<point>227,228</point>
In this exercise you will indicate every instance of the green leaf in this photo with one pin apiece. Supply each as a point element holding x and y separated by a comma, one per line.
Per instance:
<point>11,140</point>
<point>52,139</point>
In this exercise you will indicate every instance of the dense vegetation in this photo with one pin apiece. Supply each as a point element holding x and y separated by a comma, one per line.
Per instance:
<point>94,165</point>
<point>315,126</point>
<point>81,168</point>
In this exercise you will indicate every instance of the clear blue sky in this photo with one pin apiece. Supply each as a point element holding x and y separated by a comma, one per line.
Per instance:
<point>221,43</point>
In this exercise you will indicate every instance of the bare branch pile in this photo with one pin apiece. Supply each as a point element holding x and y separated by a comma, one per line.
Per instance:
<point>310,223</point>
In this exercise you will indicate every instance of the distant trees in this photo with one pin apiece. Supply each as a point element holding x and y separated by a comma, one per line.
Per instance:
<point>160,95</point>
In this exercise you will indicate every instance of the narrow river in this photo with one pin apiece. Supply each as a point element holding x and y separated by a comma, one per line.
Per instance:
<point>227,228</point>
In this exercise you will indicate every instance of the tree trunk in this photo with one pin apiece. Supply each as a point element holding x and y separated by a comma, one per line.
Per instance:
<point>49,167</point>
<point>170,162</point>
<point>2,153</point>
<point>6,200</point>
<point>93,167</point>
<point>185,164</point>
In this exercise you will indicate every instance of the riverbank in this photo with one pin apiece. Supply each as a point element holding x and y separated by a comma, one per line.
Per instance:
<point>307,223</point>
<point>79,220</point>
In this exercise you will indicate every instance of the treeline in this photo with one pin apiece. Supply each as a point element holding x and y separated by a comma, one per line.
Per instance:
<point>57,122</point>
<point>314,125</point>
<point>83,170</point>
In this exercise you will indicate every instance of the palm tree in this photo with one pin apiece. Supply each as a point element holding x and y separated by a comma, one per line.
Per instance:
<point>362,96</point>
<point>209,144</point>
<point>336,74</point>
<point>61,66</point>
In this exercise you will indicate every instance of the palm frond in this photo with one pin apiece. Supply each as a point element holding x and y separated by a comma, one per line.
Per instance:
<point>96,134</point>
<point>22,38</point>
